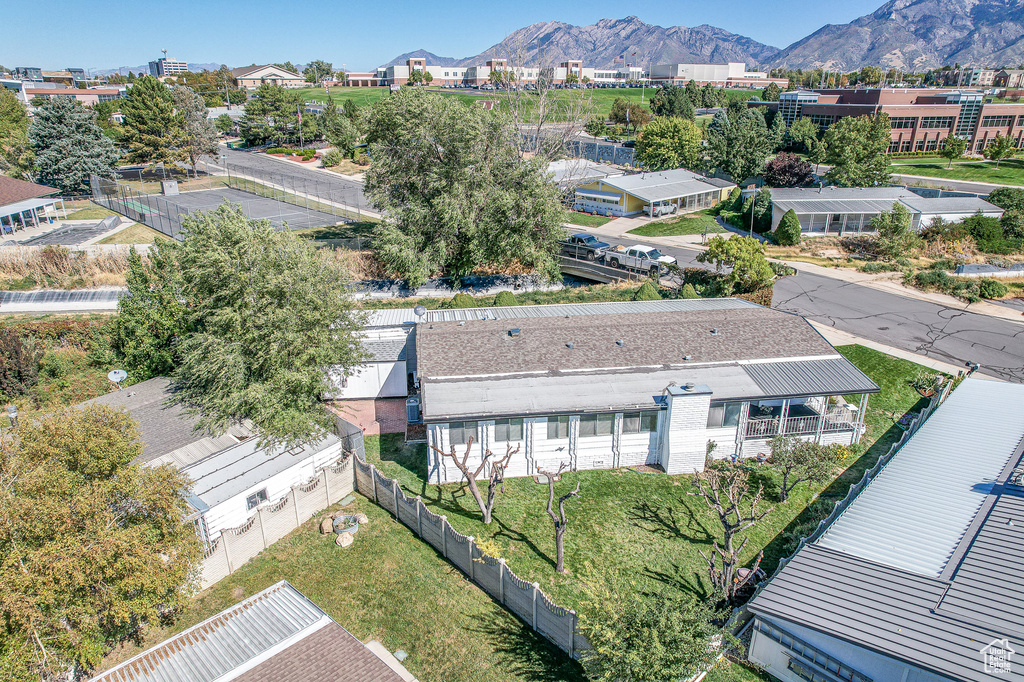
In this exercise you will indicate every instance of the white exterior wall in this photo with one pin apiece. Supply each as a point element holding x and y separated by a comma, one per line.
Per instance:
<point>373,380</point>
<point>232,512</point>
<point>726,438</point>
<point>770,655</point>
<point>684,446</point>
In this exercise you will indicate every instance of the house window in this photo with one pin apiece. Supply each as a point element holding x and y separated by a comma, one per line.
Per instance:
<point>508,430</point>
<point>640,422</point>
<point>596,425</point>
<point>256,499</point>
<point>724,415</point>
<point>558,427</point>
<point>459,433</point>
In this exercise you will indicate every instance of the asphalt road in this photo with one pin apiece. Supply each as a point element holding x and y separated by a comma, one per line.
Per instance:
<point>948,334</point>
<point>342,189</point>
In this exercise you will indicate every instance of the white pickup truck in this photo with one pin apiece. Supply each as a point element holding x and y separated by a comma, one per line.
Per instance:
<point>638,257</point>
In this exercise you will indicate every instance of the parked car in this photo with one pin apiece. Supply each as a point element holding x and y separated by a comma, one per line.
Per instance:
<point>629,144</point>
<point>660,208</point>
<point>585,246</point>
<point>611,139</point>
<point>638,257</point>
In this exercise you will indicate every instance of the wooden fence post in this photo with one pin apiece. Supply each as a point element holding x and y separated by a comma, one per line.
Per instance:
<point>263,531</point>
<point>394,496</point>
<point>470,545</point>
<point>419,520</point>
<point>536,589</point>
<point>501,580</point>
<point>444,536</point>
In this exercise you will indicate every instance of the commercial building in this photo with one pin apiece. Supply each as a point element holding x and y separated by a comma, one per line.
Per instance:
<point>625,195</point>
<point>918,577</point>
<point>921,119</point>
<point>474,76</point>
<point>252,77</point>
<point>730,75</point>
<point>604,385</point>
<point>850,210</point>
<point>167,67</point>
<point>276,634</point>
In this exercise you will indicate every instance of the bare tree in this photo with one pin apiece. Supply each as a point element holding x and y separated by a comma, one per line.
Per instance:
<point>725,489</point>
<point>495,479</point>
<point>560,520</point>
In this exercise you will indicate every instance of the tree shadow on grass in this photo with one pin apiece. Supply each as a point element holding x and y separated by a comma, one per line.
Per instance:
<point>517,536</point>
<point>662,520</point>
<point>680,579</point>
<point>525,653</point>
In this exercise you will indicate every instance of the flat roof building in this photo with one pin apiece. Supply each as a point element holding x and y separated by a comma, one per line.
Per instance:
<point>918,578</point>
<point>732,74</point>
<point>167,67</point>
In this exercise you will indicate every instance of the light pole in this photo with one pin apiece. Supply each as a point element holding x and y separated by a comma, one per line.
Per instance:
<point>753,205</point>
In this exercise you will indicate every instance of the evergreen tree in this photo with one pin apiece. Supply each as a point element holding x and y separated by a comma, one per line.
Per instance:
<point>788,231</point>
<point>69,146</point>
<point>777,132</point>
<point>338,129</point>
<point>273,115</point>
<point>153,129</point>
<point>771,93</point>
<point>739,147</point>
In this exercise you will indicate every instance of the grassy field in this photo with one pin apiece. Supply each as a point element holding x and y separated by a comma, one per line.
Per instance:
<point>587,220</point>
<point>390,586</point>
<point>692,223</point>
<point>640,531</point>
<point>362,229</point>
<point>136,233</point>
<point>1010,171</point>
<point>90,212</point>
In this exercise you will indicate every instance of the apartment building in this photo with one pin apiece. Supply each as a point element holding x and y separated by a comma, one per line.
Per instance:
<point>167,67</point>
<point>470,76</point>
<point>921,119</point>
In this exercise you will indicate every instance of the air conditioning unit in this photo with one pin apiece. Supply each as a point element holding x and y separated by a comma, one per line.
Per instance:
<point>412,410</point>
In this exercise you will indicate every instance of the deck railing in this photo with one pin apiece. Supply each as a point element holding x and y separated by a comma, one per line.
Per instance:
<point>836,419</point>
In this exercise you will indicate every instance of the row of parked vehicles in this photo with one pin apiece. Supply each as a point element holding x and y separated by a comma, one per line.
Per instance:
<point>587,247</point>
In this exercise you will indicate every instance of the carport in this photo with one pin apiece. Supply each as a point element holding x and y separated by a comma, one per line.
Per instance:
<point>30,212</point>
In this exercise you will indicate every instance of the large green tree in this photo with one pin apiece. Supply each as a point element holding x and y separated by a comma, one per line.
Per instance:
<point>199,135</point>
<point>94,544</point>
<point>273,115</point>
<point>739,146</point>
<point>15,151</point>
<point>771,92</point>
<point>896,238</point>
<point>153,128</point>
<point>804,133</point>
<point>953,148</point>
<point>999,148</point>
<point>743,257</point>
<point>338,129</point>
<point>672,100</point>
<point>69,145</point>
<point>317,71</point>
<point>670,142</point>
<point>455,193</point>
<point>266,320</point>
<point>855,147</point>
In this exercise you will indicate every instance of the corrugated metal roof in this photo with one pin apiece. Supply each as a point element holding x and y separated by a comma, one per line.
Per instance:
<point>229,472</point>
<point>223,643</point>
<point>835,206</point>
<point>919,506</point>
<point>574,309</point>
<point>662,185</point>
<point>840,193</point>
<point>391,317</point>
<point>967,205</point>
<point>829,376</point>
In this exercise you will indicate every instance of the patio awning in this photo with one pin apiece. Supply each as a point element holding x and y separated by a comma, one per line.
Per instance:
<point>27,205</point>
<point>597,194</point>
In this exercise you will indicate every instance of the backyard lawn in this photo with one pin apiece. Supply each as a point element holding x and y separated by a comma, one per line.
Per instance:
<point>638,531</point>
<point>136,233</point>
<point>587,220</point>
<point>1010,171</point>
<point>392,587</point>
<point>90,211</point>
<point>691,223</point>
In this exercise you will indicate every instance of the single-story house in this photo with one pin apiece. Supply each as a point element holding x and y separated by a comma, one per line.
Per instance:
<point>231,473</point>
<point>919,577</point>
<point>252,77</point>
<point>625,195</point>
<point>604,385</point>
<point>850,210</point>
<point>386,373</point>
<point>25,204</point>
<point>571,172</point>
<point>276,634</point>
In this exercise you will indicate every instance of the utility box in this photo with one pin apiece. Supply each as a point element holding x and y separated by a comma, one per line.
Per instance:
<point>412,410</point>
<point>169,187</point>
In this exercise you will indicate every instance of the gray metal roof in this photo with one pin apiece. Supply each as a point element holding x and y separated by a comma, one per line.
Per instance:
<point>577,171</point>
<point>840,193</point>
<point>834,206</point>
<point>225,642</point>
<point>390,317</point>
<point>576,309</point>
<point>828,376</point>
<point>925,564</point>
<point>965,205</point>
<point>918,508</point>
<point>230,472</point>
<point>662,185</point>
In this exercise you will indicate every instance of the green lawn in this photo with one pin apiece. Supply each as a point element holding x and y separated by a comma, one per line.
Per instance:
<point>364,229</point>
<point>1010,171</point>
<point>392,587</point>
<point>586,220</point>
<point>135,234</point>
<point>90,212</point>
<point>692,223</point>
<point>640,531</point>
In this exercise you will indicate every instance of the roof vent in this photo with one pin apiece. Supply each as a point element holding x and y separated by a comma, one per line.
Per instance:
<point>620,342</point>
<point>687,357</point>
<point>514,331</point>
<point>569,345</point>
<point>1017,477</point>
<point>688,386</point>
<point>462,323</point>
<point>714,332</point>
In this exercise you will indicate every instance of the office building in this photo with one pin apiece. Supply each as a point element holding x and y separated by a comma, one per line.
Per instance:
<point>167,67</point>
<point>731,75</point>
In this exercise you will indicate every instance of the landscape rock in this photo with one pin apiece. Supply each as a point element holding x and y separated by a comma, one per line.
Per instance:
<point>344,539</point>
<point>361,519</point>
<point>327,525</point>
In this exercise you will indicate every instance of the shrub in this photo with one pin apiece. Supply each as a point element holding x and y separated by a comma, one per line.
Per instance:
<point>732,203</point>
<point>647,292</point>
<point>992,288</point>
<point>505,298</point>
<point>332,158</point>
<point>872,268</point>
<point>1013,224</point>
<point>788,231</point>
<point>461,300</point>
<point>19,363</point>
<point>688,292</point>
<point>781,269</point>
<point>987,233</point>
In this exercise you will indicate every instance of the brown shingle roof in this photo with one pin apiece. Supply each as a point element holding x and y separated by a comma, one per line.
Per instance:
<point>330,653</point>
<point>12,191</point>
<point>484,347</point>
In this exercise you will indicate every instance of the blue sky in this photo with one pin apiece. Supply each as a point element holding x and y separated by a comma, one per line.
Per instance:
<point>358,33</point>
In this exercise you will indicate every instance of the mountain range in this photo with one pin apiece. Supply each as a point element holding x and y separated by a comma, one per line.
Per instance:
<point>904,34</point>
